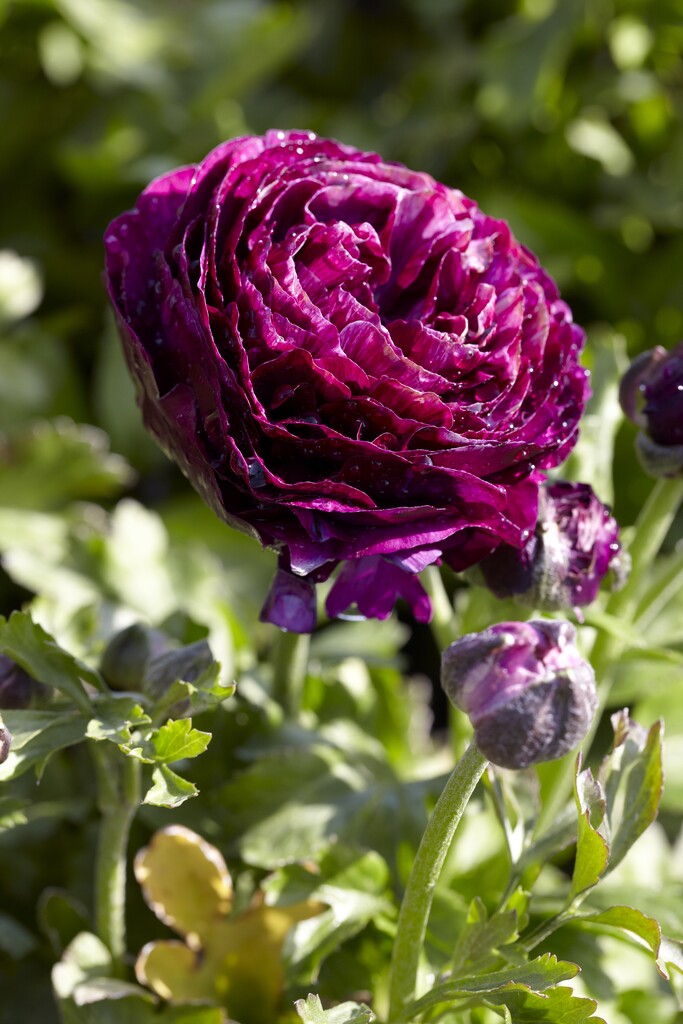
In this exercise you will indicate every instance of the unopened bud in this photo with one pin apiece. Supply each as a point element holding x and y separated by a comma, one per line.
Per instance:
<point>5,742</point>
<point>18,689</point>
<point>651,395</point>
<point>529,694</point>
<point>127,655</point>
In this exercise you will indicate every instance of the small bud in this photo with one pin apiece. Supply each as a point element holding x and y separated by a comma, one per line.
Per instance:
<point>651,395</point>
<point>18,689</point>
<point>126,656</point>
<point>574,546</point>
<point>5,742</point>
<point>526,689</point>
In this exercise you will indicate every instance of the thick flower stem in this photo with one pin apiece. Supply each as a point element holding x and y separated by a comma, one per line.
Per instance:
<point>290,664</point>
<point>417,900</point>
<point>118,779</point>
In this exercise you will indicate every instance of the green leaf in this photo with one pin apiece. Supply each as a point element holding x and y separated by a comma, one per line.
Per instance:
<point>36,735</point>
<point>335,782</point>
<point>174,741</point>
<point>556,1006</point>
<point>88,994</point>
<point>477,948</point>
<point>116,716</point>
<point>311,1012</point>
<point>632,778</point>
<point>37,652</point>
<point>204,692</point>
<point>592,848</point>
<point>540,974</point>
<point>61,918</point>
<point>169,789</point>
<point>637,923</point>
<point>354,888</point>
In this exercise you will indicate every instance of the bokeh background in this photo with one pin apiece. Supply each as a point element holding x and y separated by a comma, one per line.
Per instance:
<point>563,116</point>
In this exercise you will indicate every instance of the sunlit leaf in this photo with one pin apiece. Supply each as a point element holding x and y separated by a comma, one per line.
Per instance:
<point>234,961</point>
<point>632,778</point>
<point>36,651</point>
<point>184,880</point>
<point>36,735</point>
<point>169,789</point>
<point>592,849</point>
<point>311,1012</point>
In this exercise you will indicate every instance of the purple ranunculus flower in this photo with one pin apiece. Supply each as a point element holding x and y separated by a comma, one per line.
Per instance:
<point>651,395</point>
<point>574,546</point>
<point>526,689</point>
<point>349,361</point>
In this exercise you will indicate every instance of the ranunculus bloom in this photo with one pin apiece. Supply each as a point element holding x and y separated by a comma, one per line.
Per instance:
<point>526,689</point>
<point>564,561</point>
<point>349,360</point>
<point>651,394</point>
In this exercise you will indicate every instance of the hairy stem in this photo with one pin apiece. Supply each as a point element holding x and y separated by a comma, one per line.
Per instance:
<point>429,860</point>
<point>118,780</point>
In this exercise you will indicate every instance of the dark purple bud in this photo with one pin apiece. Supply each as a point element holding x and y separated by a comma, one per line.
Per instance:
<point>526,689</point>
<point>574,546</point>
<point>5,742</point>
<point>17,688</point>
<point>651,395</point>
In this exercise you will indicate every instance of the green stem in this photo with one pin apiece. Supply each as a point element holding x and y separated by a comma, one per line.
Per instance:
<point>417,900</point>
<point>118,779</point>
<point>443,625</point>
<point>290,664</point>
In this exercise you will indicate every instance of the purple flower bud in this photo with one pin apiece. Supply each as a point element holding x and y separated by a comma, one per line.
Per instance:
<point>563,563</point>
<point>17,688</point>
<point>5,742</point>
<point>526,689</point>
<point>651,395</point>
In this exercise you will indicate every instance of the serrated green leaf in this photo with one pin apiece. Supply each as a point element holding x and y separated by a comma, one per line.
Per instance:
<point>592,848</point>
<point>538,975</point>
<point>352,885</point>
<point>637,923</point>
<point>555,1006</point>
<point>633,780</point>
<point>174,741</point>
<point>36,735</point>
<point>116,716</point>
<point>478,943</point>
<point>39,654</point>
<point>169,789</point>
<point>202,693</point>
<point>311,1011</point>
